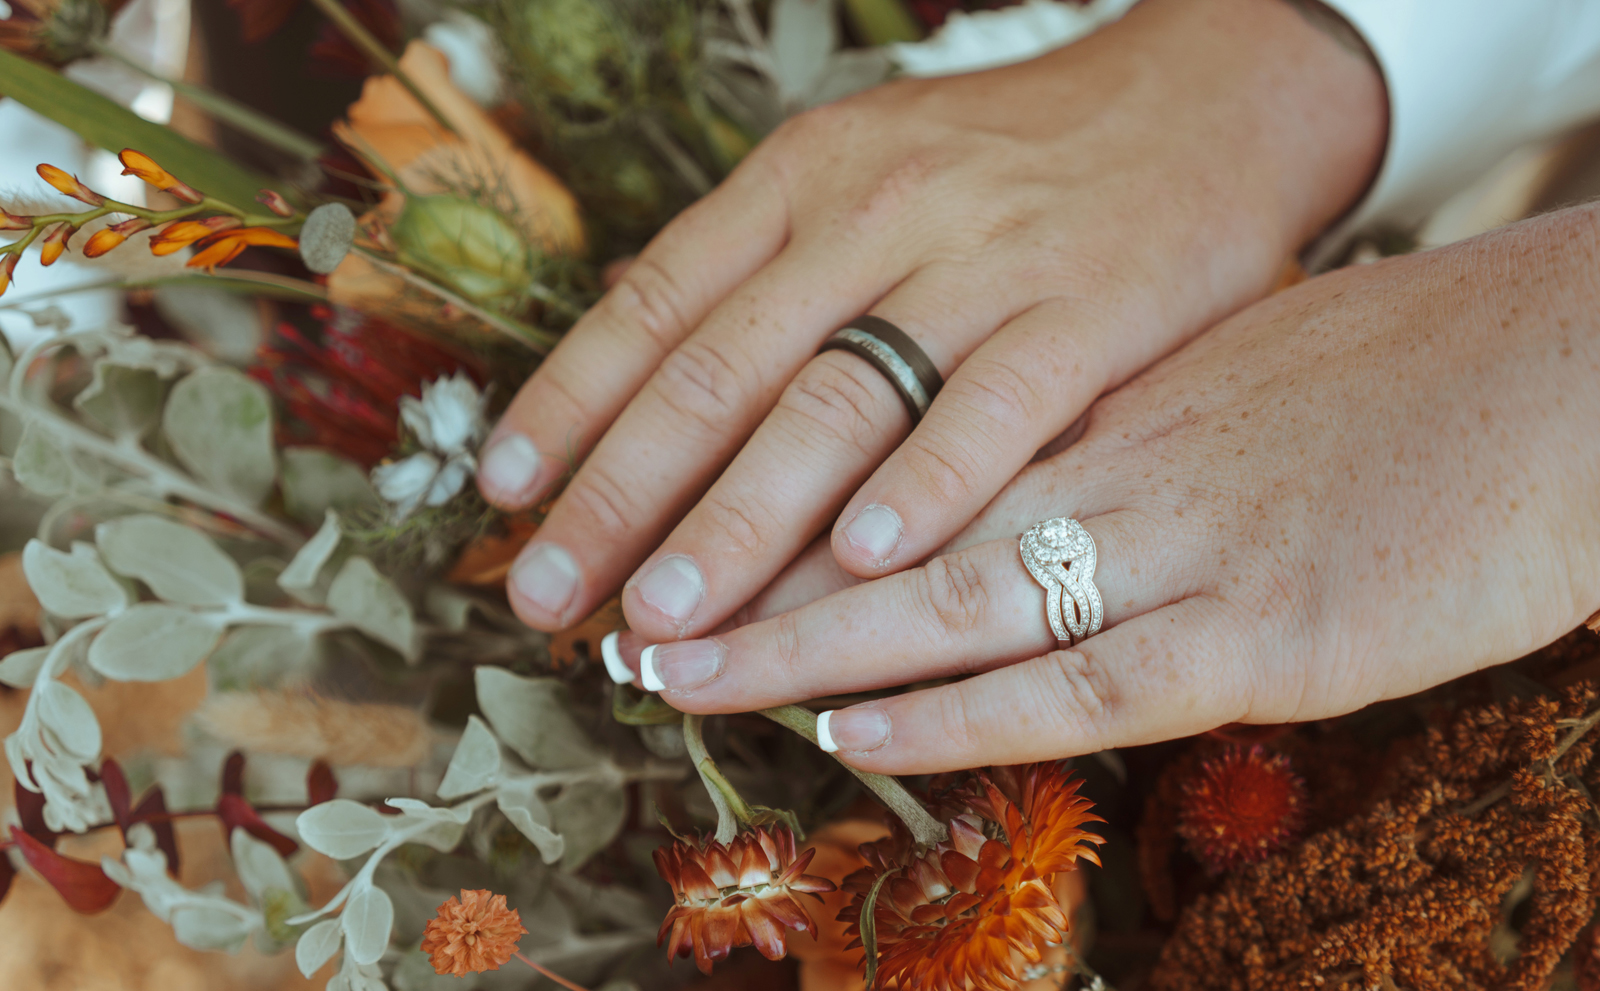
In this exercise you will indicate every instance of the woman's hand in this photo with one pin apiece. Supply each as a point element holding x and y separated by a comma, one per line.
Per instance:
<point>1364,486</point>
<point>1043,231</point>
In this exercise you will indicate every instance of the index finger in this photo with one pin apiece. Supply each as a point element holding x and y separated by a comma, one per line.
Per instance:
<point>583,385</point>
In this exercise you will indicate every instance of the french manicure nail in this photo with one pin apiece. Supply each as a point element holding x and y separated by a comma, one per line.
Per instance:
<point>855,730</point>
<point>674,588</point>
<point>509,469</point>
<point>547,576</point>
<point>681,665</point>
<point>875,533</point>
<point>616,667</point>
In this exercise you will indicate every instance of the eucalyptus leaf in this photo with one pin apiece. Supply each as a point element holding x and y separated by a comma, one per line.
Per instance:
<point>317,946</point>
<point>315,481</point>
<point>124,401</point>
<point>326,237</point>
<point>300,578</point>
<point>519,800</point>
<point>20,668</point>
<point>259,657</point>
<point>588,815</point>
<point>531,716</point>
<point>219,424</point>
<point>71,586</point>
<point>342,829</point>
<point>475,764</point>
<point>179,563</point>
<point>367,920</point>
<point>153,641</point>
<point>370,602</point>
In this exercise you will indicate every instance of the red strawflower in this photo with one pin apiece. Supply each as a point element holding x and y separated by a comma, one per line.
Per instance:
<point>1242,807</point>
<point>742,894</point>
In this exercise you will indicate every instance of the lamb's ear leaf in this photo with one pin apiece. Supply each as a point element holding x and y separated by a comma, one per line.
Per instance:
<point>109,125</point>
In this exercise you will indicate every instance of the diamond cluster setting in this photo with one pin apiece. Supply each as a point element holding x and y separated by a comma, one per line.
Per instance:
<point>1060,554</point>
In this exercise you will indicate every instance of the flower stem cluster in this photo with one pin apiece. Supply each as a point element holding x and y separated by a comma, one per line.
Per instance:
<point>219,231</point>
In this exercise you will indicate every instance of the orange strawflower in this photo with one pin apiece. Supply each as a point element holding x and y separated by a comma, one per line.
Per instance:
<point>55,242</point>
<point>970,913</point>
<point>742,894</point>
<point>137,163</point>
<point>472,935</point>
<point>1241,808</point>
<point>106,238</point>
<point>181,233</point>
<point>68,183</point>
<point>220,249</point>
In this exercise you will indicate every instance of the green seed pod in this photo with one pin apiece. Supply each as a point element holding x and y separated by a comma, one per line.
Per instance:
<point>468,246</point>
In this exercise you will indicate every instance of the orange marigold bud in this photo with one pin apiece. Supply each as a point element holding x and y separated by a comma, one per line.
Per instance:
<point>472,935</point>
<point>275,202</point>
<point>8,265</point>
<point>68,183</point>
<point>137,163</point>
<point>182,233</point>
<point>220,249</point>
<point>55,242</point>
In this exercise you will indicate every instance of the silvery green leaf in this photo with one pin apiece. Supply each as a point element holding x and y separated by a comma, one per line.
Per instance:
<point>803,34</point>
<point>475,764</point>
<point>71,586</point>
<point>588,815</point>
<point>259,657</point>
<point>42,463</point>
<point>519,800</point>
<point>315,481</point>
<point>367,920</point>
<point>317,946</point>
<point>416,808</point>
<point>342,829</point>
<point>179,563</point>
<point>530,716</point>
<point>415,972</point>
<point>326,237</point>
<point>850,72</point>
<point>368,601</point>
<point>125,402</point>
<point>153,641</point>
<point>299,579</point>
<point>70,721</point>
<point>7,362</point>
<point>214,925</point>
<point>449,606</point>
<point>259,866</point>
<point>20,668</point>
<point>219,424</point>
<point>443,836</point>
<point>227,325</point>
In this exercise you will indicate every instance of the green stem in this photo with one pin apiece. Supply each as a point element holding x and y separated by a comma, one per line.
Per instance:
<point>925,829</point>
<point>380,56</point>
<point>727,819</point>
<point>234,114</point>
<point>155,217</point>
<point>533,337</point>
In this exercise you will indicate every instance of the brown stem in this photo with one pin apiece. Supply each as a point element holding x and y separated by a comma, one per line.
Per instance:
<point>381,56</point>
<point>548,973</point>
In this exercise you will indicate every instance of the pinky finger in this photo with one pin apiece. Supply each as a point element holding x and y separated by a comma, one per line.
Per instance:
<point>1173,672</point>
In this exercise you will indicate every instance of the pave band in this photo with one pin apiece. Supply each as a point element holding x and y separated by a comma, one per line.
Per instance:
<point>1060,555</point>
<point>892,351</point>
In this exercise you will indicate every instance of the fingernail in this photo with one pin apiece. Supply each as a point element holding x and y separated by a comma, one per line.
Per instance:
<point>616,667</point>
<point>673,588</point>
<point>548,576</point>
<point>509,468</point>
<point>875,533</point>
<point>675,667</point>
<point>855,730</point>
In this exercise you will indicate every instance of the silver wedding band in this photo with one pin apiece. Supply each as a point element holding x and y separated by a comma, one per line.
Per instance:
<point>893,353</point>
<point>1060,555</point>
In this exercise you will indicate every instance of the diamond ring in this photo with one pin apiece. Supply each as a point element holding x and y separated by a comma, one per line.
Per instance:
<point>1060,555</point>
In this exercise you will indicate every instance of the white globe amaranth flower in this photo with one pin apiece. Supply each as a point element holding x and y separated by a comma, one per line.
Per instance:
<point>988,39</point>
<point>448,421</point>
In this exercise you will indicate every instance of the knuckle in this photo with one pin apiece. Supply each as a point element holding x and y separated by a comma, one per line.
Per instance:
<point>701,385</point>
<point>743,523</point>
<point>787,650</point>
<point>1075,688</point>
<point>650,299</point>
<point>963,733</point>
<point>999,394</point>
<point>833,404</point>
<point>945,463</point>
<point>601,501</point>
<point>953,595</point>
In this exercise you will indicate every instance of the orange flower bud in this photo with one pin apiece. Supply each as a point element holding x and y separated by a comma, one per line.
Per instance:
<point>12,222</point>
<point>69,184</point>
<point>137,163</point>
<point>55,242</point>
<point>8,264</point>
<point>220,249</point>
<point>275,202</point>
<point>101,241</point>
<point>182,233</point>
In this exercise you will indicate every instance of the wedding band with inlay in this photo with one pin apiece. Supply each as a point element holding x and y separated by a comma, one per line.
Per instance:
<point>892,352</point>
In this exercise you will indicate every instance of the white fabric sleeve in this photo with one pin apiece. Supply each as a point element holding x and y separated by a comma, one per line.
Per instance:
<point>1468,81</point>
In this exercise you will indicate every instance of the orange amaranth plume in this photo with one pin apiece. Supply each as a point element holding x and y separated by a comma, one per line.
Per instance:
<point>476,933</point>
<point>971,913</point>
<point>1242,806</point>
<point>742,894</point>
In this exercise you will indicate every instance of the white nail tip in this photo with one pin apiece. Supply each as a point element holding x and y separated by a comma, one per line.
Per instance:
<point>824,735</point>
<point>615,666</point>
<point>647,670</point>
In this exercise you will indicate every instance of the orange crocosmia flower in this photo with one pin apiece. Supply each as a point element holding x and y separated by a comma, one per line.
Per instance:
<point>746,893</point>
<point>103,240</point>
<point>181,233</point>
<point>8,265</point>
<point>68,183</point>
<point>476,933</point>
<point>55,242</point>
<point>224,247</point>
<point>137,163</point>
<point>973,912</point>
<point>13,222</point>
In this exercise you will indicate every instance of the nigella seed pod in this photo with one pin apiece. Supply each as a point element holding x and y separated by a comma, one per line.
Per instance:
<point>468,246</point>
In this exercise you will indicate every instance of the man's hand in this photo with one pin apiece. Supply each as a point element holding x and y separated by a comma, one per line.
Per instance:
<point>1042,231</point>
